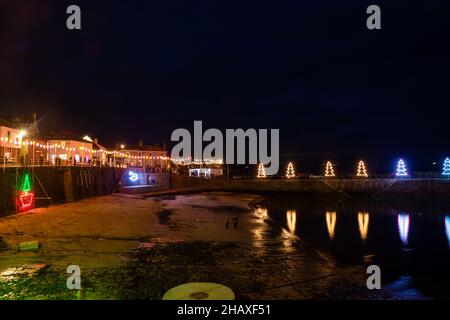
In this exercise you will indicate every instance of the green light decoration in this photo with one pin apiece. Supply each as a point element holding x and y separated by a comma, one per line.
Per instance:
<point>25,186</point>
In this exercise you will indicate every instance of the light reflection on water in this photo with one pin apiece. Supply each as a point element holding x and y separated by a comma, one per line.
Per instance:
<point>363,224</point>
<point>403,227</point>
<point>447,228</point>
<point>288,237</point>
<point>261,228</point>
<point>331,223</point>
<point>291,220</point>
<point>376,229</point>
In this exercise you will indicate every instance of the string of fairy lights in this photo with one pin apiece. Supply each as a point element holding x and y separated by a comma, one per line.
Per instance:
<point>61,147</point>
<point>361,171</point>
<point>57,147</point>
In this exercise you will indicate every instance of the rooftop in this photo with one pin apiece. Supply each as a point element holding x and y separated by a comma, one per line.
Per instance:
<point>143,148</point>
<point>65,136</point>
<point>4,123</point>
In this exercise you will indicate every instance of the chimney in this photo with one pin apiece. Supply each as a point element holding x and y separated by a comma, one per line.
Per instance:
<point>141,143</point>
<point>96,140</point>
<point>33,126</point>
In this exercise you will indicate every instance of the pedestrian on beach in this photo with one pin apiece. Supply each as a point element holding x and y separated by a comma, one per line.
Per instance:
<point>235,221</point>
<point>227,222</point>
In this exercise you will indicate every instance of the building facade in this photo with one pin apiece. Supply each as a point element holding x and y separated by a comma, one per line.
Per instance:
<point>151,158</point>
<point>10,142</point>
<point>69,149</point>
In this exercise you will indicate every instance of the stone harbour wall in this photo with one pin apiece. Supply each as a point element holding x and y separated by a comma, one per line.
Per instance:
<point>58,184</point>
<point>348,187</point>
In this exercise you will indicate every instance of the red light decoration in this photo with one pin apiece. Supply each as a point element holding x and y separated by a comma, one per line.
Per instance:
<point>25,201</point>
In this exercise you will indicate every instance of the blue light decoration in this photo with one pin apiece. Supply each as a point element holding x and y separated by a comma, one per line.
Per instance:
<point>401,169</point>
<point>446,168</point>
<point>403,227</point>
<point>133,176</point>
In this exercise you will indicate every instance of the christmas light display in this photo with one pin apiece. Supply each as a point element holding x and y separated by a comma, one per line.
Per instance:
<point>329,172</point>
<point>261,171</point>
<point>446,168</point>
<point>362,172</point>
<point>290,171</point>
<point>133,176</point>
<point>25,197</point>
<point>401,169</point>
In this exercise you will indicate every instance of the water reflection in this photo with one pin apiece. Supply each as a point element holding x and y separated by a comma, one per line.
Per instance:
<point>331,223</point>
<point>363,223</point>
<point>291,220</point>
<point>403,227</point>
<point>291,224</point>
<point>262,215</point>
<point>447,228</point>
<point>288,237</point>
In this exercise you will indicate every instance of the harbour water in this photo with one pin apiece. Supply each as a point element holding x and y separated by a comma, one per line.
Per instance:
<point>409,240</point>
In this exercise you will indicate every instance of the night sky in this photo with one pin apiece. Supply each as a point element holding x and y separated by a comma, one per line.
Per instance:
<point>140,69</point>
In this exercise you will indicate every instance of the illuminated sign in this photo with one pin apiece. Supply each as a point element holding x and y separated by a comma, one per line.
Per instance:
<point>133,176</point>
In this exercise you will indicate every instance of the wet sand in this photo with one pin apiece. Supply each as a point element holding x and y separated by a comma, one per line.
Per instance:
<point>134,248</point>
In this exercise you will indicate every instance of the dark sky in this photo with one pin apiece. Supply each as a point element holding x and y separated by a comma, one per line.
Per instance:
<point>140,69</point>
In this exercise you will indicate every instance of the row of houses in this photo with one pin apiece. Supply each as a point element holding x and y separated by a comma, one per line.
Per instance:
<point>21,143</point>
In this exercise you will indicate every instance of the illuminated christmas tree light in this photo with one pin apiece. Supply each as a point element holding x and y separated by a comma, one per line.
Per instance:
<point>446,168</point>
<point>26,183</point>
<point>290,171</point>
<point>25,197</point>
<point>362,172</point>
<point>261,171</point>
<point>401,169</point>
<point>329,172</point>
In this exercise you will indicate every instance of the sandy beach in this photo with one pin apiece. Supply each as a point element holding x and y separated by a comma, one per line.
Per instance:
<point>136,248</point>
